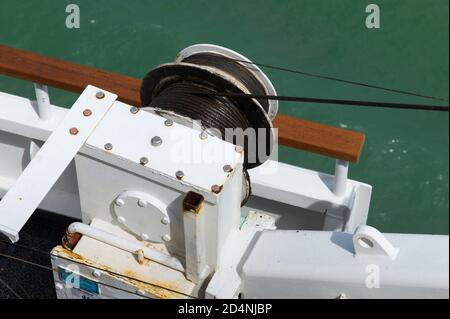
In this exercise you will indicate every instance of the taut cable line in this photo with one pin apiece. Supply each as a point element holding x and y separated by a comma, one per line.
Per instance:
<point>332,101</point>
<point>331,78</point>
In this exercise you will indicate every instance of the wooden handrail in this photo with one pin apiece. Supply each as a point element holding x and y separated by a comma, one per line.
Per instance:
<point>297,133</point>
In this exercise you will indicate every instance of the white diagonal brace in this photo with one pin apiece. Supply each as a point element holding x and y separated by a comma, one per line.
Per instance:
<point>24,197</point>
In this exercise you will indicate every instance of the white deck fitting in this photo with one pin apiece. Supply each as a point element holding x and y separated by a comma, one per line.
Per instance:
<point>37,179</point>
<point>201,161</point>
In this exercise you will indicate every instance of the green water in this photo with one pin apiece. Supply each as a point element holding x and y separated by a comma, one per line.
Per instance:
<point>406,154</point>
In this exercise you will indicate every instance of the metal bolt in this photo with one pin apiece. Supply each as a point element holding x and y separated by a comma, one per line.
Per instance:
<point>73,131</point>
<point>165,221</point>
<point>239,149</point>
<point>140,256</point>
<point>179,174</point>
<point>216,189</point>
<point>203,135</point>
<point>96,273</point>
<point>143,161</point>
<point>108,146</point>
<point>156,141</point>
<point>168,123</point>
<point>227,169</point>
<point>142,203</point>
<point>121,219</point>
<point>134,110</point>
<point>166,237</point>
<point>144,237</point>
<point>100,95</point>
<point>87,112</point>
<point>119,202</point>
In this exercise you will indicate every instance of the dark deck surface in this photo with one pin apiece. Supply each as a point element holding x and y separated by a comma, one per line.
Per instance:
<point>42,232</point>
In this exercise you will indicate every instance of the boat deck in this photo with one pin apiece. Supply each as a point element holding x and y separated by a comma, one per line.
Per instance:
<point>18,279</point>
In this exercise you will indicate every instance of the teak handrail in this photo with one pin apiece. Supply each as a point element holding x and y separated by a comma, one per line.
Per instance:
<point>297,133</point>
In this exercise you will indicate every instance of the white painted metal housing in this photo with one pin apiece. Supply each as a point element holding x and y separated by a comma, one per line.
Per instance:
<point>310,204</point>
<point>292,239</point>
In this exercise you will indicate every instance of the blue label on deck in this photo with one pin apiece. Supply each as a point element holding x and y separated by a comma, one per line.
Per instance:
<point>76,281</point>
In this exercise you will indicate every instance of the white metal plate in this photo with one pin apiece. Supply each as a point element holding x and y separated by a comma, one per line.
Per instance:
<point>182,149</point>
<point>49,163</point>
<point>143,214</point>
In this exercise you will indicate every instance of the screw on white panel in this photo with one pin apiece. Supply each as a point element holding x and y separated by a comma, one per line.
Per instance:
<point>145,237</point>
<point>166,237</point>
<point>108,146</point>
<point>119,202</point>
<point>142,203</point>
<point>73,131</point>
<point>121,219</point>
<point>203,135</point>
<point>179,174</point>
<point>134,110</point>
<point>156,141</point>
<point>216,188</point>
<point>165,221</point>
<point>239,149</point>
<point>59,286</point>
<point>100,95</point>
<point>143,161</point>
<point>87,112</point>
<point>227,169</point>
<point>168,123</point>
<point>96,273</point>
